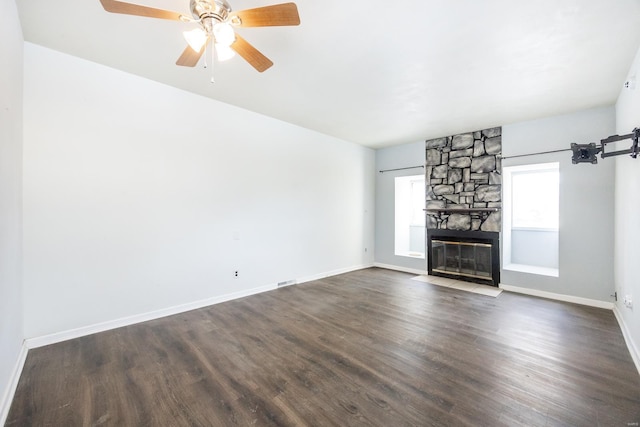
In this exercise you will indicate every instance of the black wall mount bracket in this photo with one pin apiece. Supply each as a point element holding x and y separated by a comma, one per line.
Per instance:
<point>587,153</point>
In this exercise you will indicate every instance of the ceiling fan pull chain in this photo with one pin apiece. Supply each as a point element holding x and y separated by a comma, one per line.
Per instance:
<point>204,57</point>
<point>213,59</point>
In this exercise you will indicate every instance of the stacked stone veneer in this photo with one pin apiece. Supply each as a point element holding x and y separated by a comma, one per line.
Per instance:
<point>464,172</point>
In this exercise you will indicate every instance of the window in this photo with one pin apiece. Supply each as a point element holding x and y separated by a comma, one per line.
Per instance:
<point>535,198</point>
<point>410,216</point>
<point>531,218</point>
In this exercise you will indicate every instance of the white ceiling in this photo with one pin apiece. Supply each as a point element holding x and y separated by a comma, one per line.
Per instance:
<point>374,72</point>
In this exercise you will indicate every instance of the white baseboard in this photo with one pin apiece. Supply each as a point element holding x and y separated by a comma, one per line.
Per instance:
<point>169,311</point>
<point>399,268</point>
<point>332,273</point>
<point>7,397</point>
<point>138,318</point>
<point>633,349</point>
<point>559,297</point>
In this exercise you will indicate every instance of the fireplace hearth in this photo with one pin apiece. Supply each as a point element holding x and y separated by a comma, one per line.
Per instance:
<point>466,255</point>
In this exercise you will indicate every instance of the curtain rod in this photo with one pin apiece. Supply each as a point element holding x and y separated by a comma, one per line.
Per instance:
<point>401,169</point>
<point>535,154</point>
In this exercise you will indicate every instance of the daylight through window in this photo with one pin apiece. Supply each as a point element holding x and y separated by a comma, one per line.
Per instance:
<point>531,218</point>
<point>410,216</point>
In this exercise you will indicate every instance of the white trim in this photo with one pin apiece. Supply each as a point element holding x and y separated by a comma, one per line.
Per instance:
<point>507,202</point>
<point>408,254</point>
<point>399,268</point>
<point>532,269</point>
<point>169,311</point>
<point>138,318</point>
<point>7,398</point>
<point>559,297</point>
<point>332,273</point>
<point>536,229</point>
<point>633,349</point>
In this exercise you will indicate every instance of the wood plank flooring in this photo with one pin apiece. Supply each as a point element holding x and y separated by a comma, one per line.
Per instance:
<point>372,347</point>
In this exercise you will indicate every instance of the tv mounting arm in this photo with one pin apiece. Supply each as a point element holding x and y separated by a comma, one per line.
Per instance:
<point>586,153</point>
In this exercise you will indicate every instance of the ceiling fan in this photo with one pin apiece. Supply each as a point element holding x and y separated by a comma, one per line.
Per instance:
<point>217,22</point>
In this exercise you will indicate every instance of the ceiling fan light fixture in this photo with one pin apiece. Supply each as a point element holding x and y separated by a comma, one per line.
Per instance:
<point>196,38</point>
<point>224,34</point>
<point>224,52</point>
<point>216,23</point>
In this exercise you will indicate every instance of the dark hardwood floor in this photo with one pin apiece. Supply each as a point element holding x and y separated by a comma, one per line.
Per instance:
<point>365,348</point>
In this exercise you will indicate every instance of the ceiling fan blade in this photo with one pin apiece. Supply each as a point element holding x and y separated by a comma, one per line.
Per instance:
<point>268,16</point>
<point>251,54</point>
<point>190,57</point>
<point>114,6</point>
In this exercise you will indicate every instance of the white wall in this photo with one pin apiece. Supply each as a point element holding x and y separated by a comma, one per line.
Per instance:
<point>401,156</point>
<point>11,308</point>
<point>139,196</point>
<point>627,211</point>
<point>586,202</point>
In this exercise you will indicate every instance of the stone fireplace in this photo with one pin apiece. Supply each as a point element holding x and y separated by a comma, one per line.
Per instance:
<point>464,205</point>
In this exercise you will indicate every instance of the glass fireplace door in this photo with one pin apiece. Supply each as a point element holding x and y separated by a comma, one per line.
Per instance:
<point>462,258</point>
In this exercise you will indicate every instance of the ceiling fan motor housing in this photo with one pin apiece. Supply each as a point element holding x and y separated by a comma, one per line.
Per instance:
<point>215,9</point>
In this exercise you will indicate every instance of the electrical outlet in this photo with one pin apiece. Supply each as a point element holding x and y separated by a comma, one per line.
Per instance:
<point>628,302</point>
<point>235,273</point>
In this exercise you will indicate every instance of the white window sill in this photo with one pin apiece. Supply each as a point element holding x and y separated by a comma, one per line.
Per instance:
<point>532,269</point>
<point>547,230</point>
<point>417,255</point>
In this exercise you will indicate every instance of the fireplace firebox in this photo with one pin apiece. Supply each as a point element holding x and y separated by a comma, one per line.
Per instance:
<point>465,255</point>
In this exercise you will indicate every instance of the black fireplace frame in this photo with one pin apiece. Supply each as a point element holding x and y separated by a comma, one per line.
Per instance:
<point>490,237</point>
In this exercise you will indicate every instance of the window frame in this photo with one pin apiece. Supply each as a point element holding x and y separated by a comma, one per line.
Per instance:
<point>408,181</point>
<point>507,218</point>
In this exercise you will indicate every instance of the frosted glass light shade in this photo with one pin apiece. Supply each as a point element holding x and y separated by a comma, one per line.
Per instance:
<point>224,34</point>
<point>224,52</point>
<point>196,38</point>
